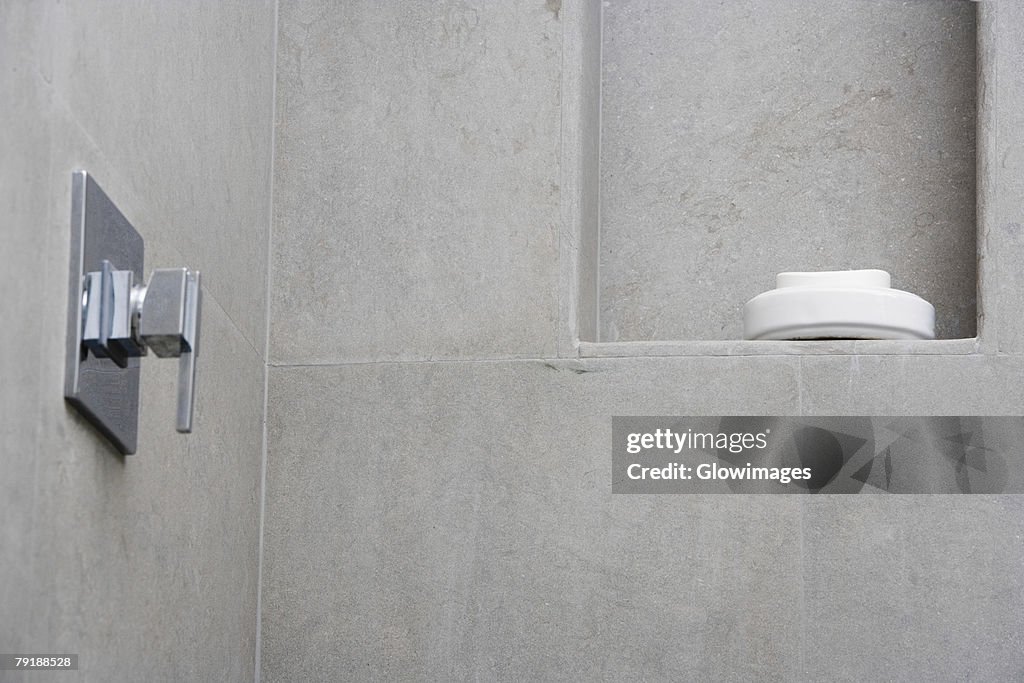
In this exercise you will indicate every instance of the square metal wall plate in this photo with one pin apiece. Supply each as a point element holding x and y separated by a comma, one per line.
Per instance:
<point>106,394</point>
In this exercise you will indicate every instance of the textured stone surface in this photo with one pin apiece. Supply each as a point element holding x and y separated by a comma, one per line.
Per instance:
<point>912,385</point>
<point>146,566</point>
<point>454,521</point>
<point>913,588</point>
<point>417,181</point>
<point>23,202</point>
<point>1001,173</point>
<point>742,139</point>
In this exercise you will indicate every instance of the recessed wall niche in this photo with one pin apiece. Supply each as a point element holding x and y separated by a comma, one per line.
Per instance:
<point>741,139</point>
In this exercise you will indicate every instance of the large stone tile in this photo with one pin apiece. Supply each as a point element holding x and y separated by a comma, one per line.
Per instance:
<point>455,520</point>
<point>911,588</point>
<point>416,181</point>
<point>742,139</point>
<point>180,101</point>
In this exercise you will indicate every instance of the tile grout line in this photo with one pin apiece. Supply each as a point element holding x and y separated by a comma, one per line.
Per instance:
<point>799,358</point>
<point>597,194</point>
<point>258,650</point>
<point>560,298</point>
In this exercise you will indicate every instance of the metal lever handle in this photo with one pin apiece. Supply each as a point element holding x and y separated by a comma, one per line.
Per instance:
<point>121,320</point>
<point>169,325</point>
<point>187,362</point>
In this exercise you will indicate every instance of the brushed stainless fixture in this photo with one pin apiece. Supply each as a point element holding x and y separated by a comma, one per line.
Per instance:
<point>112,321</point>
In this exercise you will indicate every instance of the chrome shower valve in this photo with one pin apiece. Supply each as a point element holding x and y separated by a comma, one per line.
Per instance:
<point>113,319</point>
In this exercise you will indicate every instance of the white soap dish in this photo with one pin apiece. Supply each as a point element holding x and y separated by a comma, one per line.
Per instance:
<point>839,304</point>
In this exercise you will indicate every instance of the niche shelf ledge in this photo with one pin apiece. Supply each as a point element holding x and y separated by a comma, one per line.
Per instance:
<point>837,347</point>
